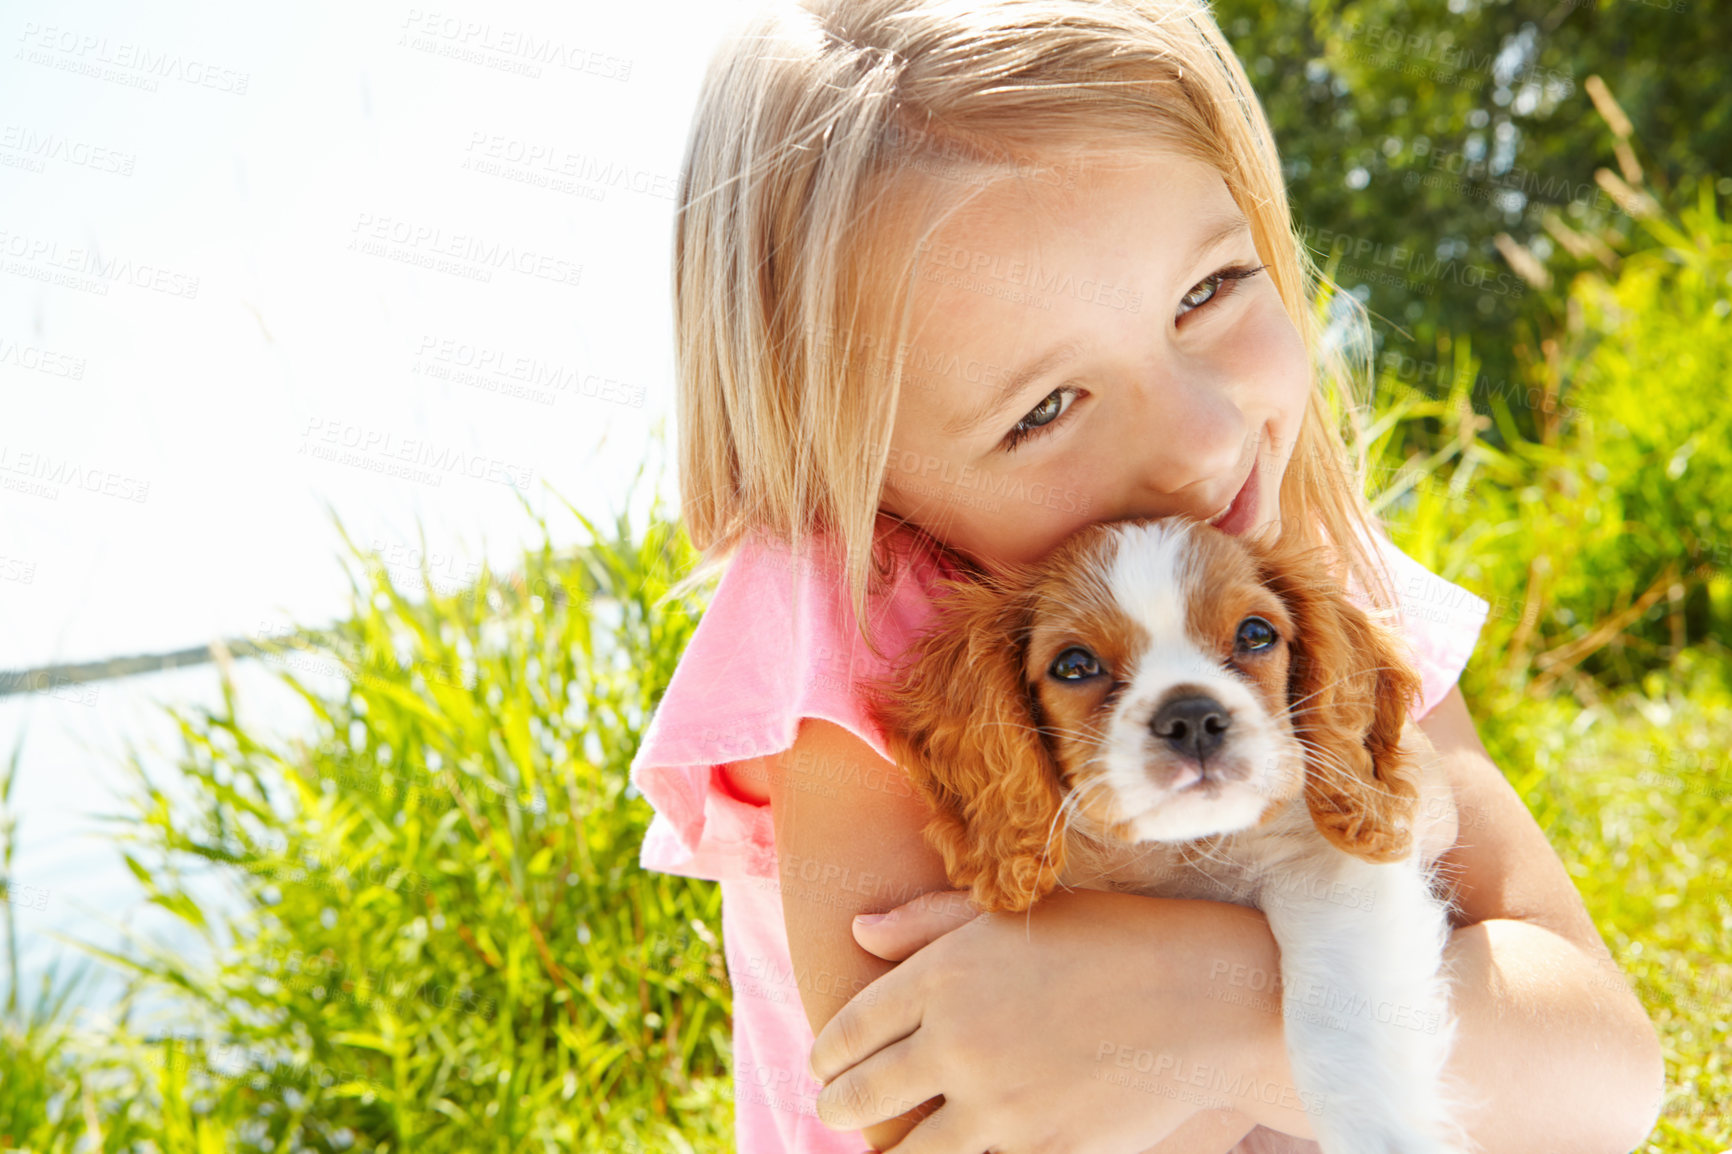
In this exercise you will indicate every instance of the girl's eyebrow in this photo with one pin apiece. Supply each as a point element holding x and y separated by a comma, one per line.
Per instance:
<point>1012,388</point>
<point>1221,227</point>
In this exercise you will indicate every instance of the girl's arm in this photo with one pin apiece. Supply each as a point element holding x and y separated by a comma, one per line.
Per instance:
<point>849,841</point>
<point>1550,1037</point>
<point>1551,1033</point>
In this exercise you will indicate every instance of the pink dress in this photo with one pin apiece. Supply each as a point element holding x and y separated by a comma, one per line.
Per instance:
<point>758,662</point>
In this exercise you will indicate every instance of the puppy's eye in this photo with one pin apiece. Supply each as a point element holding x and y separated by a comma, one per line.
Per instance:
<point>1075,664</point>
<point>1255,635</point>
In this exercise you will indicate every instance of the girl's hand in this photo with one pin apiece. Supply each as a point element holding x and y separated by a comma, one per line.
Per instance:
<point>1086,1024</point>
<point>913,925</point>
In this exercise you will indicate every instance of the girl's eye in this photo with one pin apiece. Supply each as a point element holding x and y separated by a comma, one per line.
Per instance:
<point>1216,286</point>
<point>1042,417</point>
<point>1075,664</point>
<point>1255,635</point>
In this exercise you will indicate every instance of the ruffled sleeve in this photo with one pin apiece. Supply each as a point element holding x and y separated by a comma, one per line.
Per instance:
<point>777,643</point>
<point>1441,621</point>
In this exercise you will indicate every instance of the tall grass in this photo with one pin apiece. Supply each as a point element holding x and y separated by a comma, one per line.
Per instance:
<point>37,1103</point>
<point>1602,683</point>
<point>444,942</point>
<point>1604,539</point>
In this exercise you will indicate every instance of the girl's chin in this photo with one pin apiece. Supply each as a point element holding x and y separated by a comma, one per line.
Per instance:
<point>1000,557</point>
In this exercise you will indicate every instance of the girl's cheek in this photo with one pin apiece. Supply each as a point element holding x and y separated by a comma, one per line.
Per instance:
<point>1008,537</point>
<point>1272,353</point>
<point>1028,502</point>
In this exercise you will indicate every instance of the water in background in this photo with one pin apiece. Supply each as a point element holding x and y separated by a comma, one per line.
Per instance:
<point>68,874</point>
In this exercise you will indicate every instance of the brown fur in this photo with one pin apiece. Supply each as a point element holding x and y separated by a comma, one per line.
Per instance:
<point>993,757</point>
<point>959,723</point>
<point>1351,689</point>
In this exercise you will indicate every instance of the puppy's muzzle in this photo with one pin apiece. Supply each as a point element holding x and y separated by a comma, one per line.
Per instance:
<point>1194,726</point>
<point>1194,730</point>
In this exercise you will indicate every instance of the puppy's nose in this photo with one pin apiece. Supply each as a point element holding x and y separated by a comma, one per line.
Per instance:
<point>1194,726</point>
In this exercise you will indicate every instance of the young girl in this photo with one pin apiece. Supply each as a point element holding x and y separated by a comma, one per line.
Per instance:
<point>953,279</point>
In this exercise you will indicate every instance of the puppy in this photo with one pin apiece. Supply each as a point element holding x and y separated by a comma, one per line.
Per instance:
<point>1162,708</point>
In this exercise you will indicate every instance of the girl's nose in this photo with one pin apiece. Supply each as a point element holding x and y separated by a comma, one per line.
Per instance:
<point>1191,444</point>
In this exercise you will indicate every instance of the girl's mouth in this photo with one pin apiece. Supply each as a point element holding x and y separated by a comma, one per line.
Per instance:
<point>1242,513</point>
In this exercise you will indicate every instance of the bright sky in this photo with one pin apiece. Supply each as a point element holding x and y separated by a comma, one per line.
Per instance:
<point>400,259</point>
<point>405,261</point>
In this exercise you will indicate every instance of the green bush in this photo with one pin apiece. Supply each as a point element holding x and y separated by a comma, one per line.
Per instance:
<point>1604,543</point>
<point>1415,131</point>
<point>445,941</point>
<point>1600,684</point>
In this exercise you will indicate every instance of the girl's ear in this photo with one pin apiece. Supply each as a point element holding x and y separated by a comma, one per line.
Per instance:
<point>958,722</point>
<point>1350,688</point>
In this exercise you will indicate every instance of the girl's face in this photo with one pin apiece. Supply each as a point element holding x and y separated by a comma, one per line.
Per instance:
<point>1094,352</point>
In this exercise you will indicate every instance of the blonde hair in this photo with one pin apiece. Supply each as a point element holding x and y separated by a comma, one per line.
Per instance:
<point>809,117</point>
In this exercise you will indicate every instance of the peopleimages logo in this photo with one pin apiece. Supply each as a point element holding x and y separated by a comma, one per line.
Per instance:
<point>87,269</point>
<point>519,50</point>
<point>1447,61</point>
<point>41,474</point>
<point>963,484</point>
<point>989,272</point>
<point>494,154</point>
<point>947,158</point>
<point>1367,256</point>
<point>135,65</point>
<point>382,450</point>
<point>465,254</point>
<point>1480,179</point>
<point>37,148</point>
<point>501,370</point>
<point>40,360</point>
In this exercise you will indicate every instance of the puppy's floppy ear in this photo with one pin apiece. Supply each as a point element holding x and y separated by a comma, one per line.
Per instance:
<point>957,720</point>
<point>1350,686</point>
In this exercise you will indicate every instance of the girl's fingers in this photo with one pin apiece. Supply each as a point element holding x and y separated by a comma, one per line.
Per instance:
<point>883,1013</point>
<point>886,1085</point>
<point>915,924</point>
<point>944,1131</point>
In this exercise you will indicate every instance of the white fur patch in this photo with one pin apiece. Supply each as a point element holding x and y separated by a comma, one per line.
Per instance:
<point>1151,578</point>
<point>1147,579</point>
